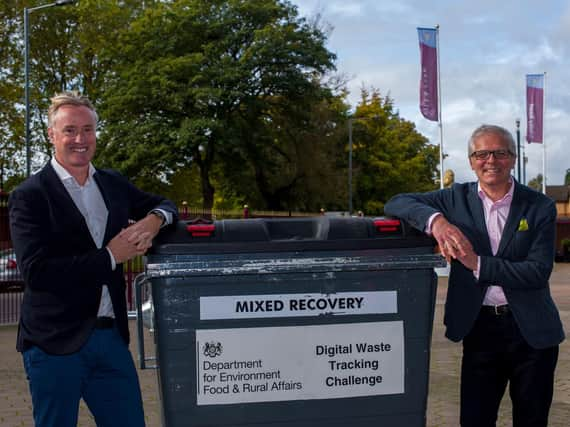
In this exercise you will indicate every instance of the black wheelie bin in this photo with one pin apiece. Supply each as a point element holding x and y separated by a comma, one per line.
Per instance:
<point>304,322</point>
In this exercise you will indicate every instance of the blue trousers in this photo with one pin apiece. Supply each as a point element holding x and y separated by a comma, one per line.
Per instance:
<point>102,373</point>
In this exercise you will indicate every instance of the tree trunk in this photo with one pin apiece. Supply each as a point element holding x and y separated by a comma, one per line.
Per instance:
<point>208,189</point>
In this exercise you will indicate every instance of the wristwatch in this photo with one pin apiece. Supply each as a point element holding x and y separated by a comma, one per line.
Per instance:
<point>160,215</point>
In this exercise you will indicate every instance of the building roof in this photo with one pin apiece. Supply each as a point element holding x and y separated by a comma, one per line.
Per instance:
<point>560,193</point>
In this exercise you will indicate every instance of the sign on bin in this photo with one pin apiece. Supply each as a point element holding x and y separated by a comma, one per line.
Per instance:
<point>241,365</point>
<point>293,305</point>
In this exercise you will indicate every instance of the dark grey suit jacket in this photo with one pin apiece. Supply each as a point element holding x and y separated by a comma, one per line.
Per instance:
<point>522,265</point>
<point>62,268</point>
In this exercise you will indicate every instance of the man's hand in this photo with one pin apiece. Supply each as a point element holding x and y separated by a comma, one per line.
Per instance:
<point>142,232</point>
<point>453,243</point>
<point>135,240</point>
<point>122,249</point>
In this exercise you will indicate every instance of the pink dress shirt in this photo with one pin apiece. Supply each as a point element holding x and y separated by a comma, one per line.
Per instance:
<point>496,214</point>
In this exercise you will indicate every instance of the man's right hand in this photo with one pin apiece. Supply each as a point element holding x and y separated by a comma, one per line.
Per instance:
<point>453,243</point>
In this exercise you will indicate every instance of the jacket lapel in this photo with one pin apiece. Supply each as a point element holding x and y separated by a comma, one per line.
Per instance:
<point>478,216</point>
<point>62,200</point>
<point>106,188</point>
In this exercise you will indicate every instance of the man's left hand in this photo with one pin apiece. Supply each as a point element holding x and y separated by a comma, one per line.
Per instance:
<point>142,232</point>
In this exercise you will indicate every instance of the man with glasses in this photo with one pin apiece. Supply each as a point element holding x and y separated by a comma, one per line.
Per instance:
<point>498,236</point>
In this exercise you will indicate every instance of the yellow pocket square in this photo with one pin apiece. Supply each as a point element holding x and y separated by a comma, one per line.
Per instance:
<point>523,225</point>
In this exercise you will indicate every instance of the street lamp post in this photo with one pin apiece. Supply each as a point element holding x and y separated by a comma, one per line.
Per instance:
<point>525,161</point>
<point>519,176</point>
<point>350,120</point>
<point>27,12</point>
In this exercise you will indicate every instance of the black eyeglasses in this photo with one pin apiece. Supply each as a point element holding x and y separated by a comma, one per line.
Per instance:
<point>485,154</point>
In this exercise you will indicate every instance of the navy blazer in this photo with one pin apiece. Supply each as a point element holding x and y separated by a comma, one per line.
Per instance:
<point>62,268</point>
<point>522,265</point>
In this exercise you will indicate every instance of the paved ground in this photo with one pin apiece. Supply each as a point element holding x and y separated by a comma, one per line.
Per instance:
<point>15,406</point>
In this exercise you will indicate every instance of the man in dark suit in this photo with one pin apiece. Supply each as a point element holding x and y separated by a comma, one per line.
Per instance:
<point>499,237</point>
<point>70,229</point>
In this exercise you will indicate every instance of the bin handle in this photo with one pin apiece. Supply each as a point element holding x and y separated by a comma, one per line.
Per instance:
<point>140,280</point>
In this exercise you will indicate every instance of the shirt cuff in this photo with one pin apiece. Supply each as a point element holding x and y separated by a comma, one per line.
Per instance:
<point>476,272</point>
<point>430,222</point>
<point>113,262</point>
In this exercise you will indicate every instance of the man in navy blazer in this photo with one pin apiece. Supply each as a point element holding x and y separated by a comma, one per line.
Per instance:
<point>498,236</point>
<point>71,233</point>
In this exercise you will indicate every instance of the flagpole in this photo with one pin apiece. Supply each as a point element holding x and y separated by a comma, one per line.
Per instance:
<point>440,125</point>
<point>543,137</point>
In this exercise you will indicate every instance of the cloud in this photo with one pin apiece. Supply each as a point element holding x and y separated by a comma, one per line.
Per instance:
<point>527,56</point>
<point>350,9</point>
<point>486,49</point>
<point>393,8</point>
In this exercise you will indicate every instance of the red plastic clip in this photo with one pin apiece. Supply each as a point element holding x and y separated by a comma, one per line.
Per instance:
<point>201,228</point>
<point>387,225</point>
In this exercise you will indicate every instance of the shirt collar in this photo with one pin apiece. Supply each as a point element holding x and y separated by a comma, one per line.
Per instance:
<point>65,176</point>
<point>505,199</point>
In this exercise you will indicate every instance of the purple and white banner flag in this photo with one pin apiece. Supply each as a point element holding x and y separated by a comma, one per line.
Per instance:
<point>428,79</point>
<point>534,107</point>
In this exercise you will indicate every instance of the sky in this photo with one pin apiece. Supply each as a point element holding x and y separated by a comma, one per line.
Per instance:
<point>486,48</point>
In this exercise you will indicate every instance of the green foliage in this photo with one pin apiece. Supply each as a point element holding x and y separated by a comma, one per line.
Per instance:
<point>390,156</point>
<point>536,182</point>
<point>196,82</point>
<point>12,164</point>
<point>567,177</point>
<point>64,54</point>
<point>213,102</point>
<point>185,187</point>
<point>293,153</point>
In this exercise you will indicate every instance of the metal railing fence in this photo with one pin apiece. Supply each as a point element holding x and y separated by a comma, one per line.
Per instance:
<point>11,283</point>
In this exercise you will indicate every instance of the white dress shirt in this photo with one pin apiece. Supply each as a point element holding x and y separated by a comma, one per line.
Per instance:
<point>89,201</point>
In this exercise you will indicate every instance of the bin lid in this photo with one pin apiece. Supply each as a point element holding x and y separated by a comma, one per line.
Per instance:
<point>320,233</point>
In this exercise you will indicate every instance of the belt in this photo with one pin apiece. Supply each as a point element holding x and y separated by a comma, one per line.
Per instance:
<point>496,310</point>
<point>104,323</point>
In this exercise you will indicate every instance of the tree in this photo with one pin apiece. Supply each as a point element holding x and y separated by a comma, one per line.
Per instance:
<point>195,74</point>
<point>65,45</point>
<point>11,114</point>
<point>70,55</point>
<point>390,156</point>
<point>567,177</point>
<point>294,153</point>
<point>236,95</point>
<point>536,182</point>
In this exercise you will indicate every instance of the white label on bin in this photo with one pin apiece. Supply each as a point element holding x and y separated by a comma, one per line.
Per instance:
<point>299,362</point>
<point>293,305</point>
